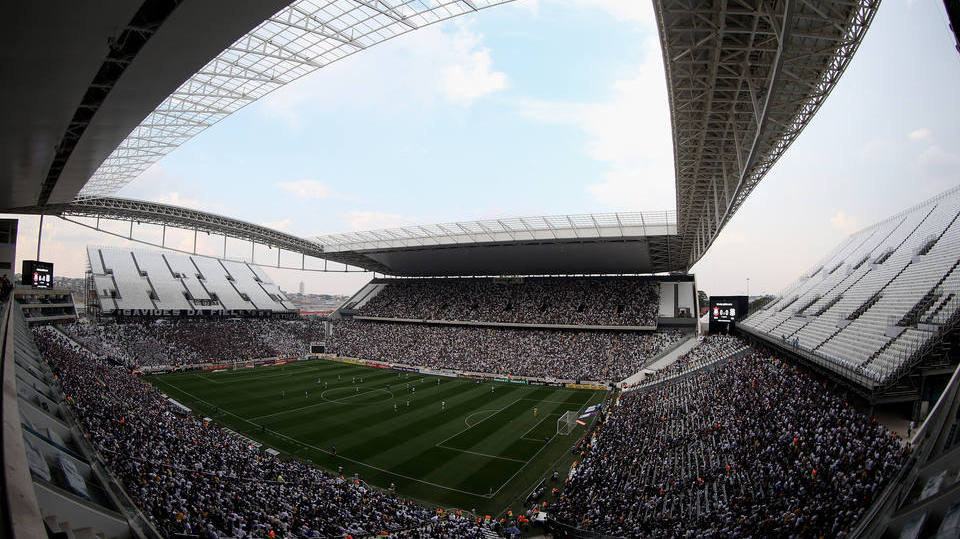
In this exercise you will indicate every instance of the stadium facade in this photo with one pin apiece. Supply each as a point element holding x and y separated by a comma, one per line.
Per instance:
<point>135,81</point>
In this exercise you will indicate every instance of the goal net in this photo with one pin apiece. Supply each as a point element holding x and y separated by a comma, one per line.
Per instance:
<point>567,422</point>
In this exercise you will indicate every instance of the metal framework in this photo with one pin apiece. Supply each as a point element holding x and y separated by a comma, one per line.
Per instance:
<point>584,227</point>
<point>154,213</point>
<point>297,40</point>
<point>744,79</point>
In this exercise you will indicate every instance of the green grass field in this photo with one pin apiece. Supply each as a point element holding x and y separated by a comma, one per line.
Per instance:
<point>486,450</point>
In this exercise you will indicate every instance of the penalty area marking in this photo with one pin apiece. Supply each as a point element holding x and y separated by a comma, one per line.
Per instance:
<point>341,400</point>
<point>487,455</point>
<point>466,420</point>
<point>546,417</point>
<point>534,457</point>
<point>324,401</point>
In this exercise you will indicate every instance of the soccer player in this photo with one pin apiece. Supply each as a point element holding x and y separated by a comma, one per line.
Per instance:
<point>408,404</point>
<point>333,448</point>
<point>338,377</point>
<point>443,405</point>
<point>357,388</point>
<point>353,380</point>
<point>413,390</point>
<point>535,411</point>
<point>394,407</point>
<point>283,394</point>
<point>306,394</point>
<point>438,381</point>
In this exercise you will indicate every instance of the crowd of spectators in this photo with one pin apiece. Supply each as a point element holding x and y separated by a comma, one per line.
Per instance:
<point>609,301</point>
<point>185,341</point>
<point>707,350</point>
<point>188,476</point>
<point>751,448</point>
<point>563,354</point>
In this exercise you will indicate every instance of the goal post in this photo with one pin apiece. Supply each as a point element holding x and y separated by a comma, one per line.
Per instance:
<point>567,422</point>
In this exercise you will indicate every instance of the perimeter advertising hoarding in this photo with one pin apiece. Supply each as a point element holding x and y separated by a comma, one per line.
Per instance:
<point>725,311</point>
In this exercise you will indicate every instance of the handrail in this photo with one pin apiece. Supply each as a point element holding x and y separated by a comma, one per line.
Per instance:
<point>21,511</point>
<point>924,442</point>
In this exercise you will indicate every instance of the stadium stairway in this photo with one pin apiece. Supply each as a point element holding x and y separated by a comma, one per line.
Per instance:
<point>667,359</point>
<point>62,530</point>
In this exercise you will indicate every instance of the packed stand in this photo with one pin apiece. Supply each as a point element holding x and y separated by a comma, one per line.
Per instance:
<point>784,457</point>
<point>708,350</point>
<point>185,342</point>
<point>563,354</point>
<point>606,301</point>
<point>189,476</point>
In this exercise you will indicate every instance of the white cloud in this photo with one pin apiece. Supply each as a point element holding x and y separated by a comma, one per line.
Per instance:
<point>441,63</point>
<point>877,149</point>
<point>630,132</point>
<point>920,134</point>
<point>466,82</point>
<point>174,198</point>
<point>624,10</point>
<point>845,223</point>
<point>372,220</point>
<point>939,162</point>
<point>282,225</point>
<point>306,189</point>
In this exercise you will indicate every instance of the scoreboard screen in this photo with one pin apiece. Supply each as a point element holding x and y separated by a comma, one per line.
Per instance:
<point>37,274</point>
<point>725,311</point>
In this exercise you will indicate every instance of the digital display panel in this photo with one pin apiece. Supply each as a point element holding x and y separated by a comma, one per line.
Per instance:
<point>725,311</point>
<point>37,274</point>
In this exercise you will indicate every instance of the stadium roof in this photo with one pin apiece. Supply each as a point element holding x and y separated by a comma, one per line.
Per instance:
<point>743,80</point>
<point>80,76</point>
<point>590,243</point>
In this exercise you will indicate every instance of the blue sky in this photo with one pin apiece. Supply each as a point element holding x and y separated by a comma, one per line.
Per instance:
<point>556,107</point>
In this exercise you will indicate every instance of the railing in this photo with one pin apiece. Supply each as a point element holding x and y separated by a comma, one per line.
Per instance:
<point>907,358</point>
<point>816,358</point>
<point>945,320</point>
<point>927,445</point>
<point>21,514</point>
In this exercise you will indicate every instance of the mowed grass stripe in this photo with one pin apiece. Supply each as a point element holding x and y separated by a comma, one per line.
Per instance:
<point>522,446</point>
<point>427,424</point>
<point>503,434</point>
<point>431,420</point>
<point>386,447</point>
<point>256,400</point>
<point>356,426</point>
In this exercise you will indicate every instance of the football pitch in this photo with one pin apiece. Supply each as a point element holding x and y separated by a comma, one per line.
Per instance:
<point>484,449</point>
